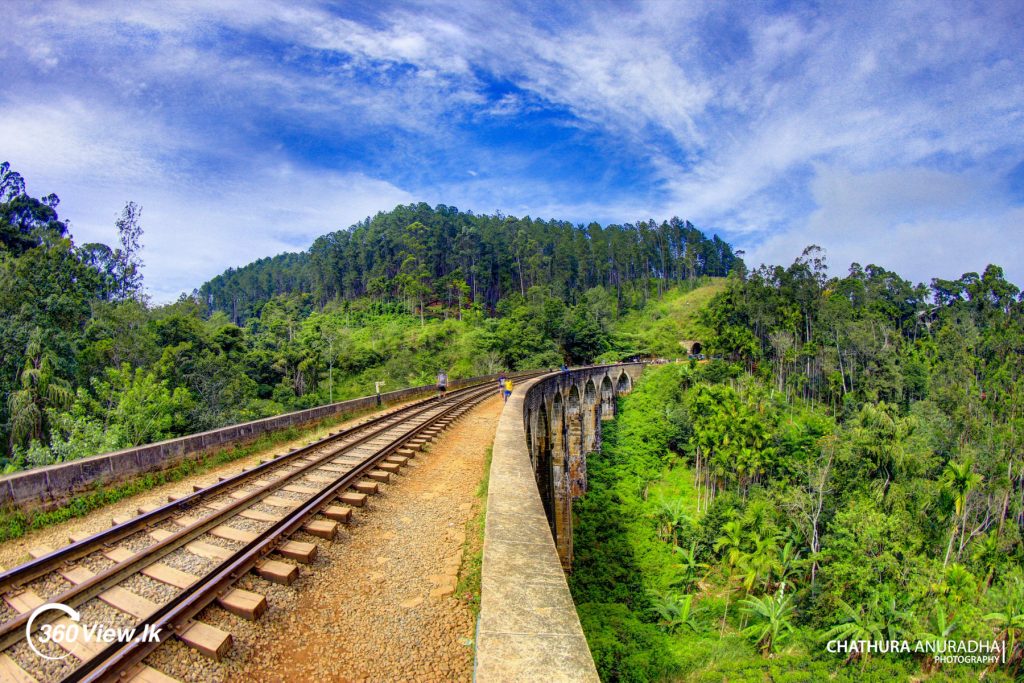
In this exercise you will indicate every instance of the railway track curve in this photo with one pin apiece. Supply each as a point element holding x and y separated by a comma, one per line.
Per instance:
<point>196,547</point>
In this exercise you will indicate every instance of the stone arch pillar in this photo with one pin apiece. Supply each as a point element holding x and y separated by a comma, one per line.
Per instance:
<point>623,385</point>
<point>573,424</point>
<point>559,472</point>
<point>573,484</point>
<point>591,412</point>
<point>607,399</point>
<point>544,470</point>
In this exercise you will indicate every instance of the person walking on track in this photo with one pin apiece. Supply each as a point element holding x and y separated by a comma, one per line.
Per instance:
<point>442,383</point>
<point>508,388</point>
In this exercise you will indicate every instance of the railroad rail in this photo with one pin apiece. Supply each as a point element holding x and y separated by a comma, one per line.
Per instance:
<point>240,524</point>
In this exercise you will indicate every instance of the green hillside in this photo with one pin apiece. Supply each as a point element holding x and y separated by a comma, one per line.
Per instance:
<point>657,328</point>
<point>847,469</point>
<point>88,365</point>
<point>442,259</point>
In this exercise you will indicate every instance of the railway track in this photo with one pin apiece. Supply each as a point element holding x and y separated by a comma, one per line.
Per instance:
<point>156,572</point>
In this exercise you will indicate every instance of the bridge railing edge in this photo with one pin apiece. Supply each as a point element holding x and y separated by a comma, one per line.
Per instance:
<point>528,629</point>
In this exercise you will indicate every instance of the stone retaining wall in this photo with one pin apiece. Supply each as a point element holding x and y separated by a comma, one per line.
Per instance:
<point>53,485</point>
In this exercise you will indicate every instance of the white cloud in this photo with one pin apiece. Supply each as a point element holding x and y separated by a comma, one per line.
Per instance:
<point>194,226</point>
<point>920,223</point>
<point>878,120</point>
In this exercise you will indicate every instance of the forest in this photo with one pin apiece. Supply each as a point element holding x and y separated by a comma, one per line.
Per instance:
<point>88,364</point>
<point>849,467</point>
<point>446,259</point>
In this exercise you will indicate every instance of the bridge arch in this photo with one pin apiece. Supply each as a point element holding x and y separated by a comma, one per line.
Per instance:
<point>607,398</point>
<point>544,467</point>
<point>624,384</point>
<point>591,417</point>
<point>531,429</point>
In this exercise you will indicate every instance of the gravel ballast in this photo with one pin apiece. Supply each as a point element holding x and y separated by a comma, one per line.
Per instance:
<point>363,610</point>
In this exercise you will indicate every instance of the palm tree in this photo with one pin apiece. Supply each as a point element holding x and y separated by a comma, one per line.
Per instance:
<point>731,542</point>
<point>757,518</point>
<point>671,516</point>
<point>959,481</point>
<point>689,565</point>
<point>674,610</point>
<point>760,562</point>
<point>958,583</point>
<point>773,619</point>
<point>855,625</point>
<point>988,556</point>
<point>1009,615</point>
<point>880,435</point>
<point>785,566</point>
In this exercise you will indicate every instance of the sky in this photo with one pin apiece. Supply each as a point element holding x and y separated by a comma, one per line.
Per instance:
<point>886,132</point>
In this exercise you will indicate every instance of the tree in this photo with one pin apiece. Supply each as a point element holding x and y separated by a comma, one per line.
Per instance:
<point>25,222</point>
<point>731,542</point>
<point>689,565</point>
<point>671,516</point>
<point>772,619</point>
<point>959,481</point>
<point>127,259</point>
<point>856,625</point>
<point>140,407</point>
<point>940,626</point>
<point>1008,616</point>
<point>673,610</point>
<point>807,502</point>
<point>760,562</point>
<point>41,389</point>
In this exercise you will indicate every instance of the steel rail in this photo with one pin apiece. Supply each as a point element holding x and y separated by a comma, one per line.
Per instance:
<point>11,631</point>
<point>176,615</point>
<point>15,578</point>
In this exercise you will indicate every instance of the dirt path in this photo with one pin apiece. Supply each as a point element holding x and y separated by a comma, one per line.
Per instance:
<point>372,610</point>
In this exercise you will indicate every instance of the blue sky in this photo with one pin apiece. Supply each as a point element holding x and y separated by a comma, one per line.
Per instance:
<point>888,133</point>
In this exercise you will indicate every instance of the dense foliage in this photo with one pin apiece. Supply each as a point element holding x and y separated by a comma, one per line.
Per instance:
<point>88,365</point>
<point>850,469</point>
<point>448,259</point>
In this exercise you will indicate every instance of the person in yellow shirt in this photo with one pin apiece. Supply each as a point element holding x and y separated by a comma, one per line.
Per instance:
<point>508,388</point>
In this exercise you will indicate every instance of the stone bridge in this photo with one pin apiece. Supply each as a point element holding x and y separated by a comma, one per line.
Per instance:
<point>562,416</point>
<point>528,628</point>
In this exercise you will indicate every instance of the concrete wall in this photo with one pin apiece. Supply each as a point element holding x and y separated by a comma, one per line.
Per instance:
<point>528,628</point>
<point>50,486</point>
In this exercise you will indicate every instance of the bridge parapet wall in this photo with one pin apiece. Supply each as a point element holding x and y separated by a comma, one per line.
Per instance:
<point>528,628</point>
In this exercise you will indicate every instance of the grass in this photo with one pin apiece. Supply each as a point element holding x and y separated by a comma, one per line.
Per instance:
<point>468,588</point>
<point>662,324</point>
<point>16,523</point>
<point>676,483</point>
